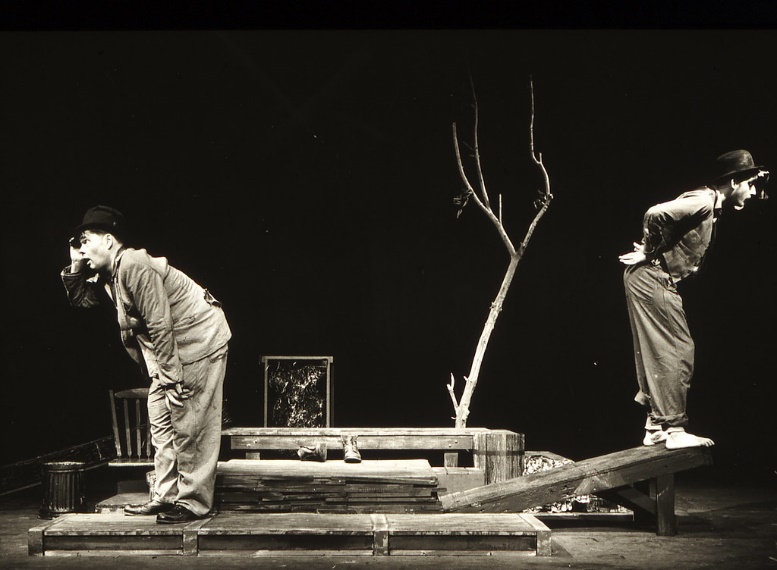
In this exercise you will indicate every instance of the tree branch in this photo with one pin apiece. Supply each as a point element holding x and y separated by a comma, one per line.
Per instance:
<point>461,407</point>
<point>485,209</point>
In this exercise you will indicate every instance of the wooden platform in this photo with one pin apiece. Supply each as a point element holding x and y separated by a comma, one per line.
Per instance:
<point>615,476</point>
<point>398,486</point>
<point>277,534</point>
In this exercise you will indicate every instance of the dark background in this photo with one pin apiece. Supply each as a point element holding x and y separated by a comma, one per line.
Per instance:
<point>306,178</point>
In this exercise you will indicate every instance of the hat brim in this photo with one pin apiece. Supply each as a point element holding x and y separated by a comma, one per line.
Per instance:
<point>751,170</point>
<point>95,226</point>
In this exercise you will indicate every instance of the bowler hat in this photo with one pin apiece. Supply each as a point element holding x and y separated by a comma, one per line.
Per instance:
<point>103,218</point>
<point>736,162</point>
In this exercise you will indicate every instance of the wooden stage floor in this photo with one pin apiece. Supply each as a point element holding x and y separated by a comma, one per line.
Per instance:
<point>725,522</point>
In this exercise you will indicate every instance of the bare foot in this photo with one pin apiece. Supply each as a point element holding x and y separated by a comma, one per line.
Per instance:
<point>681,438</point>
<point>654,436</point>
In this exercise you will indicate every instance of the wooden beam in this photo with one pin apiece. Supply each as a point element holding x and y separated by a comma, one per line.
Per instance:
<point>582,478</point>
<point>631,498</point>
<point>365,441</point>
<point>28,473</point>
<point>667,521</point>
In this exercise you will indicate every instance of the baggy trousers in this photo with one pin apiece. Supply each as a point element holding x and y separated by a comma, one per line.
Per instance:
<point>663,347</point>
<point>187,439</point>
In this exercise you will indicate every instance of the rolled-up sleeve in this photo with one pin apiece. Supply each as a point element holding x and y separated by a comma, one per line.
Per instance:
<point>80,292</point>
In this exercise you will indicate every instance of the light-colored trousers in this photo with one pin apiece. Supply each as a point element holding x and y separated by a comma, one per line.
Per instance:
<point>187,439</point>
<point>663,347</point>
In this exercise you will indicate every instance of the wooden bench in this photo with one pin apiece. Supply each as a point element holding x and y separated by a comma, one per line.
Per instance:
<point>615,476</point>
<point>498,454</point>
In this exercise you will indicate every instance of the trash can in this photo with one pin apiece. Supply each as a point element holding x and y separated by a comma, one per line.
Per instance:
<point>63,489</point>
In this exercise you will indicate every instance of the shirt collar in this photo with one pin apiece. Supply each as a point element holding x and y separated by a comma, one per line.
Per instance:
<point>718,200</point>
<point>115,266</point>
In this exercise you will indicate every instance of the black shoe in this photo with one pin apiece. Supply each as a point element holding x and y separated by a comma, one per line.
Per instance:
<point>178,514</point>
<point>150,508</point>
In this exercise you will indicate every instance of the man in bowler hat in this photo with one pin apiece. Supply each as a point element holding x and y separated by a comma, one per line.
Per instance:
<point>177,332</point>
<point>675,238</point>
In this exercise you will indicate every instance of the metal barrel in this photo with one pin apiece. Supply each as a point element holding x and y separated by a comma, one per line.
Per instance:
<point>63,488</point>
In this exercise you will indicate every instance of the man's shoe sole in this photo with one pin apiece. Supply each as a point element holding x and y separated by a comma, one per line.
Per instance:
<point>167,520</point>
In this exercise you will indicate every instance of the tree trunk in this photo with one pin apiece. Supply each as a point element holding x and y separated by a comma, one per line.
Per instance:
<point>462,411</point>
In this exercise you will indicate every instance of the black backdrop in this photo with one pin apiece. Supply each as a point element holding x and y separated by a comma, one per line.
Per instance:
<point>306,178</point>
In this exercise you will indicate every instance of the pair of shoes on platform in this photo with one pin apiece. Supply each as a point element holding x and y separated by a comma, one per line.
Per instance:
<point>318,452</point>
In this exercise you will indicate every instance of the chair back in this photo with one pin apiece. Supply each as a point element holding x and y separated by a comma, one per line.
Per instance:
<point>131,428</point>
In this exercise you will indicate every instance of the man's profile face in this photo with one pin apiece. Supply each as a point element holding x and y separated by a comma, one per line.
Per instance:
<point>95,248</point>
<point>742,192</point>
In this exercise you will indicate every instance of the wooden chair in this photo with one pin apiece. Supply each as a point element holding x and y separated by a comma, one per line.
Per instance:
<point>131,434</point>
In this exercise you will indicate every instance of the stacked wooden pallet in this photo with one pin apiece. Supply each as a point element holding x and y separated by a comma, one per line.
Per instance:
<point>399,486</point>
<point>291,534</point>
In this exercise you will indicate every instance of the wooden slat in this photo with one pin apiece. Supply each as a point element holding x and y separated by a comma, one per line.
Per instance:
<point>582,478</point>
<point>132,394</point>
<point>127,432</point>
<point>366,441</point>
<point>116,438</point>
<point>138,428</point>
<point>131,462</point>
<point>336,432</point>
<point>630,498</point>
<point>401,471</point>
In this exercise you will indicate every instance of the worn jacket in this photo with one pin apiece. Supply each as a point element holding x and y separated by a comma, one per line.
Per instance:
<point>678,233</point>
<point>165,318</point>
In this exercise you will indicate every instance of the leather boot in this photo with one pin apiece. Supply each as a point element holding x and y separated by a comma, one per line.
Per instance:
<point>350,449</point>
<point>315,453</point>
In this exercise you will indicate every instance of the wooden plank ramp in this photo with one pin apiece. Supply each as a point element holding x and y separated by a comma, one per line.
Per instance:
<point>293,534</point>
<point>613,475</point>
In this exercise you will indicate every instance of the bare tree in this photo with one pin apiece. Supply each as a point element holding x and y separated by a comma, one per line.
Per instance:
<point>481,199</point>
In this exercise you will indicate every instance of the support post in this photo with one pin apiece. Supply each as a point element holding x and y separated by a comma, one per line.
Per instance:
<point>499,453</point>
<point>380,535</point>
<point>664,493</point>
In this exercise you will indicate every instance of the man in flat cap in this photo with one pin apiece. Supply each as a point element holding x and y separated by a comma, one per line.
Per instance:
<point>675,237</point>
<point>178,332</point>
